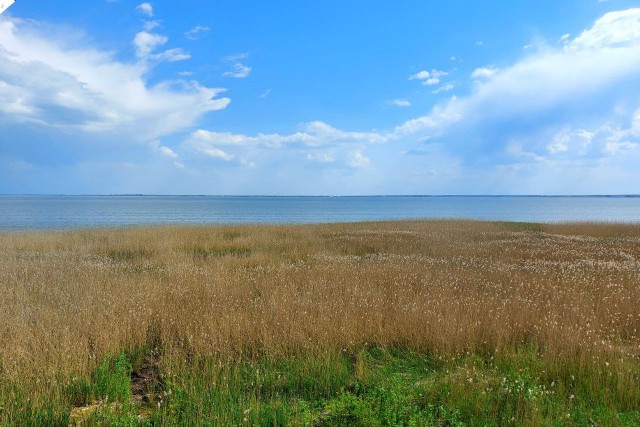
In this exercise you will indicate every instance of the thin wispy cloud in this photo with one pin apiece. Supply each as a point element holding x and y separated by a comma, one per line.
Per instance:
<point>400,103</point>
<point>444,88</point>
<point>238,69</point>
<point>195,32</point>
<point>150,25</point>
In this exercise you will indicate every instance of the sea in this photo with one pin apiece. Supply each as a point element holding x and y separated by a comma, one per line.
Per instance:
<point>29,212</point>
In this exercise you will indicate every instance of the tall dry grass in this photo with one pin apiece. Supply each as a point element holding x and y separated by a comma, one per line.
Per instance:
<point>68,298</point>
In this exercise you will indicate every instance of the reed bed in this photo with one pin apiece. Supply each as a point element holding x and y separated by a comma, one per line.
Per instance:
<point>568,292</point>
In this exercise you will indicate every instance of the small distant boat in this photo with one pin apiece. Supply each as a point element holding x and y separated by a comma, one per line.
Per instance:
<point>4,4</point>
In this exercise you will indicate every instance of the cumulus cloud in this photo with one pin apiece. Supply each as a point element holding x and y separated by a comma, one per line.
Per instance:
<point>429,78</point>
<point>484,72</point>
<point>358,160</point>
<point>597,60</point>
<point>51,81</point>
<point>613,30</point>
<point>316,136</point>
<point>146,42</point>
<point>551,132</point>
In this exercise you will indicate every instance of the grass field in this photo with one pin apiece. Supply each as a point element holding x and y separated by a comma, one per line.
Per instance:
<point>398,323</point>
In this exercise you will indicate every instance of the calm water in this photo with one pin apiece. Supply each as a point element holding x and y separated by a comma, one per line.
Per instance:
<point>37,212</point>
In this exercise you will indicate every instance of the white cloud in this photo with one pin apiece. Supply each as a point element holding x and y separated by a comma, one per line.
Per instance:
<point>165,151</point>
<point>150,25</point>
<point>547,78</point>
<point>321,157</point>
<point>172,55</point>
<point>193,33</point>
<point>484,72</point>
<point>429,78</point>
<point>444,88</point>
<point>358,160</point>
<point>516,149</point>
<point>239,70</point>
<point>560,119</point>
<point>317,136</point>
<point>265,93</point>
<point>421,75</point>
<point>567,138</point>
<point>620,147</point>
<point>146,42</point>
<point>401,103</point>
<point>63,84</point>
<point>613,30</point>
<point>216,153</point>
<point>319,133</point>
<point>145,8</point>
<point>313,134</point>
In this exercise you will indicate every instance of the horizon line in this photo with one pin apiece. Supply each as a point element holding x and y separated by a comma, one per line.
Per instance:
<point>309,195</point>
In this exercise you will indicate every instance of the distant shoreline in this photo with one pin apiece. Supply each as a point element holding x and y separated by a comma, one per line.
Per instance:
<point>330,196</point>
<point>159,227</point>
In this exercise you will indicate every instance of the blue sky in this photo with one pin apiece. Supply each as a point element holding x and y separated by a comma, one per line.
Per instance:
<point>320,97</point>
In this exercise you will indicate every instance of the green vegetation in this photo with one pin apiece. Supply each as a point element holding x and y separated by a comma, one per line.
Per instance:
<point>375,387</point>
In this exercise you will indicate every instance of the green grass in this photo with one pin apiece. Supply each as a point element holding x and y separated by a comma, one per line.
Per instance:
<point>520,226</point>
<point>128,255</point>
<point>374,387</point>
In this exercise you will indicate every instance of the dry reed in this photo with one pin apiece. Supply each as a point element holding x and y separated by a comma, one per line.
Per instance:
<point>67,298</point>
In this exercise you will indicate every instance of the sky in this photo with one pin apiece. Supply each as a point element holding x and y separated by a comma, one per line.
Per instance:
<point>238,97</point>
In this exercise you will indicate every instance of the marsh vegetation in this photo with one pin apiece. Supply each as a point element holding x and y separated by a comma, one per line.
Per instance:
<point>391,323</point>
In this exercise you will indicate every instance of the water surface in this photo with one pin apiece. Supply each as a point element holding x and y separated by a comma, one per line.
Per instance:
<point>60,212</point>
